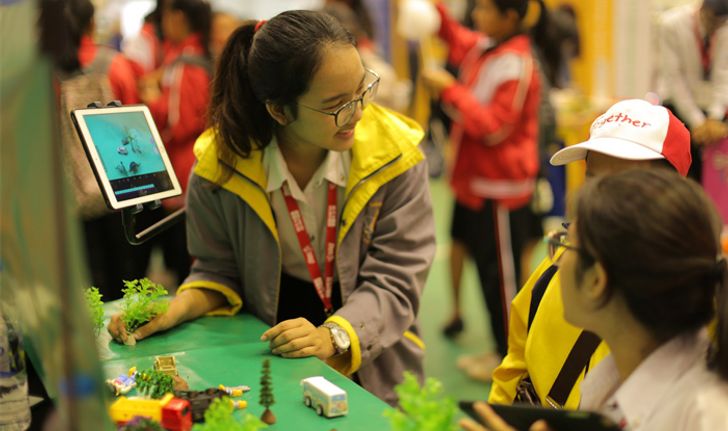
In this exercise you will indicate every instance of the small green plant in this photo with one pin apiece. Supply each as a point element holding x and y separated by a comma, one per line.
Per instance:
<point>142,301</point>
<point>422,409</point>
<point>95,308</point>
<point>219,417</point>
<point>154,383</point>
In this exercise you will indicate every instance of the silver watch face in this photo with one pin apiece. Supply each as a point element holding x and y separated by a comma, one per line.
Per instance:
<point>341,338</point>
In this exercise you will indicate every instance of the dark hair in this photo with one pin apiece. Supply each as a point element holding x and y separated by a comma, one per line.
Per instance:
<point>61,35</point>
<point>199,18</point>
<point>274,64</point>
<point>657,236</point>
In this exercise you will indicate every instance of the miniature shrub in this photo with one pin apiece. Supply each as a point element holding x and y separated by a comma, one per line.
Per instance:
<point>154,383</point>
<point>95,307</point>
<point>422,409</point>
<point>219,417</point>
<point>141,302</point>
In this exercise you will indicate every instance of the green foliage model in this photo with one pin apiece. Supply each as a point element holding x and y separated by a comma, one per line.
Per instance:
<point>219,417</point>
<point>422,409</point>
<point>95,308</point>
<point>154,383</point>
<point>141,302</point>
<point>266,386</point>
<point>141,424</point>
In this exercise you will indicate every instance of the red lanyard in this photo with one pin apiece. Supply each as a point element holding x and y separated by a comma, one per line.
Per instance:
<point>704,48</point>
<point>323,287</point>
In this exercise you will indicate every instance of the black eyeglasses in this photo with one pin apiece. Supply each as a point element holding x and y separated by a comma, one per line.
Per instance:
<point>344,113</point>
<point>556,241</point>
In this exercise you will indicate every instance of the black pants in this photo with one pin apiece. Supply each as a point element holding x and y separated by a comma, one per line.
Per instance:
<point>298,298</point>
<point>495,244</point>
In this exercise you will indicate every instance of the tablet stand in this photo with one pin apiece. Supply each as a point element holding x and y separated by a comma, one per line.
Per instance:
<point>128,215</point>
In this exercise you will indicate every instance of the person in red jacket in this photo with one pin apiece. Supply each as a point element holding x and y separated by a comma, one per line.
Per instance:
<point>178,94</point>
<point>103,59</point>
<point>494,105</point>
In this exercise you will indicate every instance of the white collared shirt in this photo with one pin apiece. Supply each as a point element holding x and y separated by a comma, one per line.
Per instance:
<point>312,202</point>
<point>670,390</point>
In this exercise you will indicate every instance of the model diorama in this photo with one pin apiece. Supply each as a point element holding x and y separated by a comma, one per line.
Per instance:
<point>142,301</point>
<point>172,413</point>
<point>95,308</point>
<point>422,408</point>
<point>266,394</point>
<point>200,401</point>
<point>325,397</point>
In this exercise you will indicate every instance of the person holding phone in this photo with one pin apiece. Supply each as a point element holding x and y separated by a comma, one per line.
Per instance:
<point>308,206</point>
<point>641,267</point>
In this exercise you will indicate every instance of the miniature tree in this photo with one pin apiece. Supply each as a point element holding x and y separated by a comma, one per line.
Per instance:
<point>154,383</point>
<point>422,409</point>
<point>142,301</point>
<point>95,308</point>
<point>219,417</point>
<point>266,394</point>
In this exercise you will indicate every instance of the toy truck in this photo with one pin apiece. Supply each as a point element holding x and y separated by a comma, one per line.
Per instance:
<point>172,413</point>
<point>324,397</point>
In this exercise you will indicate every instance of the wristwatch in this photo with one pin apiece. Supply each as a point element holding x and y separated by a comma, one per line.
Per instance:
<point>339,337</point>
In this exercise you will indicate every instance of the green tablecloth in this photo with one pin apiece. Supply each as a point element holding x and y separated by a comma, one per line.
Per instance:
<point>227,350</point>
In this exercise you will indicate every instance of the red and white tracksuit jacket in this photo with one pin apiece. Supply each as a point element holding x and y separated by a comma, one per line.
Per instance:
<point>494,106</point>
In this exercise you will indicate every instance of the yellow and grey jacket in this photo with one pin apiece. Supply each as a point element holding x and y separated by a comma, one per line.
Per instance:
<point>539,352</point>
<point>385,245</point>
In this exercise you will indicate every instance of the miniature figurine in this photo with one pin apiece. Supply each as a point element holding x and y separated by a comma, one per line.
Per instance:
<point>141,302</point>
<point>123,383</point>
<point>325,397</point>
<point>134,167</point>
<point>266,394</point>
<point>235,391</point>
<point>122,150</point>
<point>172,413</point>
<point>166,365</point>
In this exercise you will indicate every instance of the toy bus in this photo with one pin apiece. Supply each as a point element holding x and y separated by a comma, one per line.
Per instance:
<point>172,413</point>
<point>325,397</point>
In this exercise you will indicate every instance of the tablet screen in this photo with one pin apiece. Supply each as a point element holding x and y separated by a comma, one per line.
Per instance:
<point>128,156</point>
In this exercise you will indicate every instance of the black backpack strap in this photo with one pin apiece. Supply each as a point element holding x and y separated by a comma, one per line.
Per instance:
<point>538,291</point>
<point>575,363</point>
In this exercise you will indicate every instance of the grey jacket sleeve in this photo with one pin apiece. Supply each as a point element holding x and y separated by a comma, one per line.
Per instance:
<point>394,268</point>
<point>209,244</point>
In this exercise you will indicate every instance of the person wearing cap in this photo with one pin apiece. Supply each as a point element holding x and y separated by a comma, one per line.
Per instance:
<point>547,357</point>
<point>692,76</point>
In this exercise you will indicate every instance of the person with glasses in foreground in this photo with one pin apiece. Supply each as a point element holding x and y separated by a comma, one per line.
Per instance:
<point>641,267</point>
<point>547,356</point>
<point>308,207</point>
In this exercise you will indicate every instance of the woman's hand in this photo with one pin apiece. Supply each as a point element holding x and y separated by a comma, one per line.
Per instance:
<point>298,338</point>
<point>495,422</point>
<point>187,305</point>
<point>437,80</point>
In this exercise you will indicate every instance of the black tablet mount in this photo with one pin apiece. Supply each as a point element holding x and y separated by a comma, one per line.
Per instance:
<point>128,215</point>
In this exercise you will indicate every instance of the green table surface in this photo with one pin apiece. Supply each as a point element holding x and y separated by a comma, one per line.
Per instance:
<point>227,350</point>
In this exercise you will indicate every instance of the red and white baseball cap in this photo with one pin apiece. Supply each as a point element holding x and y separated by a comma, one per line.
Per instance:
<point>634,130</point>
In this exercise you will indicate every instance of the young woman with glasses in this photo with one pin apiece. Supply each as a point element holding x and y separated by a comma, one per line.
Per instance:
<point>641,267</point>
<point>308,206</point>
